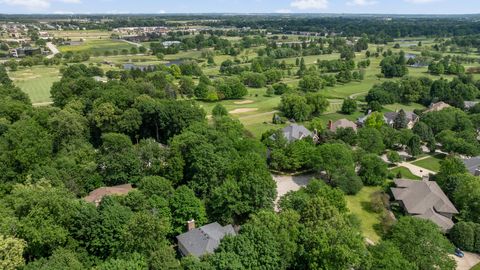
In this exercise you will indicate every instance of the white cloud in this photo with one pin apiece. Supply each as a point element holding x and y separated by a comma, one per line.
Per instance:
<point>310,4</point>
<point>362,2</point>
<point>36,4</point>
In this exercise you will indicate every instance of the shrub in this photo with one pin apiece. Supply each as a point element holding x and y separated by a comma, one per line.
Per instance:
<point>462,235</point>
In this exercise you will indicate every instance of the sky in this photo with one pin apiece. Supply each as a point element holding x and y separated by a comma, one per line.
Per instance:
<point>241,6</point>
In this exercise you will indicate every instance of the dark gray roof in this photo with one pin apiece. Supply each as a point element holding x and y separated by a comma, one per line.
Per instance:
<point>200,241</point>
<point>425,199</point>
<point>294,132</point>
<point>472,164</point>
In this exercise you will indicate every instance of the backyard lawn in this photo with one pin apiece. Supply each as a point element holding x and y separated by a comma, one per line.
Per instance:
<point>405,172</point>
<point>431,163</point>
<point>360,206</point>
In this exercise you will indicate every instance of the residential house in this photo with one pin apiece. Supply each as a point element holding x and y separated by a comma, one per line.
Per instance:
<point>204,240</point>
<point>361,121</point>
<point>98,194</point>
<point>295,132</point>
<point>435,107</point>
<point>26,51</point>
<point>342,123</point>
<point>425,199</point>
<point>130,66</point>
<point>412,118</point>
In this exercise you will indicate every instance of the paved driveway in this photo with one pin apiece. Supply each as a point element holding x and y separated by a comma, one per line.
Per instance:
<point>286,183</point>
<point>467,262</point>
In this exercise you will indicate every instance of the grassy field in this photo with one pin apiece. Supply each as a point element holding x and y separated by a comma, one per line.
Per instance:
<point>97,45</point>
<point>36,81</point>
<point>360,206</point>
<point>476,267</point>
<point>431,163</point>
<point>81,34</point>
<point>406,173</point>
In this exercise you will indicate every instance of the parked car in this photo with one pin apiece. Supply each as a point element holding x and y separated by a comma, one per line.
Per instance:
<point>459,253</point>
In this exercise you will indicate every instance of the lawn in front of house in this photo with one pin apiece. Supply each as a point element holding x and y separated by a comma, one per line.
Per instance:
<point>359,205</point>
<point>431,163</point>
<point>405,172</point>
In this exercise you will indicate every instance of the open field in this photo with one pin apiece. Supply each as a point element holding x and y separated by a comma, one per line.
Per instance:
<point>360,206</point>
<point>81,34</point>
<point>97,45</point>
<point>36,81</point>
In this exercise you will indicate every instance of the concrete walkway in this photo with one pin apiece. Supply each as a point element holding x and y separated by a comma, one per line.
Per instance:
<point>131,43</point>
<point>287,183</point>
<point>53,49</point>
<point>416,170</point>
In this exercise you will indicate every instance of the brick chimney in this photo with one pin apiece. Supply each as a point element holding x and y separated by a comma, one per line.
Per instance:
<point>191,224</point>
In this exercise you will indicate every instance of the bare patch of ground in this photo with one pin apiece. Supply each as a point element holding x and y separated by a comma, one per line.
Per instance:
<point>243,110</point>
<point>244,102</point>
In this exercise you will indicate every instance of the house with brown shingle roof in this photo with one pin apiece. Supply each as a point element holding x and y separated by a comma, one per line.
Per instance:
<point>98,194</point>
<point>425,199</point>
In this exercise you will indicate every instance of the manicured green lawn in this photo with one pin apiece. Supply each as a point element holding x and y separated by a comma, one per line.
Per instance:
<point>406,173</point>
<point>360,206</point>
<point>36,81</point>
<point>431,163</point>
<point>97,45</point>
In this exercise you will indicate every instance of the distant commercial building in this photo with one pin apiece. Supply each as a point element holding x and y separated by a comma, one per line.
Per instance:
<point>26,51</point>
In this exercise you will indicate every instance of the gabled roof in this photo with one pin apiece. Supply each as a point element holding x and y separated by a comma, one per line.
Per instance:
<point>364,118</point>
<point>343,123</point>
<point>204,240</point>
<point>435,107</point>
<point>295,132</point>
<point>390,117</point>
<point>425,199</point>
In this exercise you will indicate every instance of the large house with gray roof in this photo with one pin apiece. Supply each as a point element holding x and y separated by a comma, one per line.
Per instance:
<point>204,240</point>
<point>425,199</point>
<point>389,119</point>
<point>295,132</point>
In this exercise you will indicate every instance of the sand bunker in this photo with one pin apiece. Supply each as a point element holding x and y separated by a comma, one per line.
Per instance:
<point>243,102</point>
<point>243,110</point>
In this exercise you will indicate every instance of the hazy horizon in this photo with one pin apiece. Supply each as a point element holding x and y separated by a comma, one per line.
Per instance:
<point>320,7</point>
